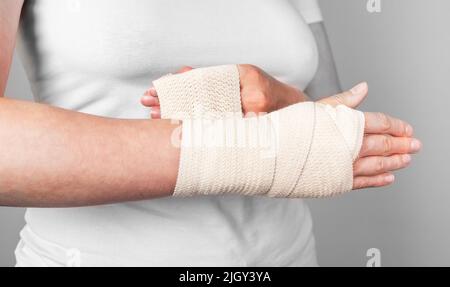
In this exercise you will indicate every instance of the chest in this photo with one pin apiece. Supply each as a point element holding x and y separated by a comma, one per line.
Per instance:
<point>137,37</point>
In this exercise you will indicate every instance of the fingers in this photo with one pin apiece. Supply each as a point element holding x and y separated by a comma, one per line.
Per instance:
<point>385,145</point>
<point>379,123</point>
<point>352,98</point>
<point>373,181</point>
<point>150,101</point>
<point>150,97</point>
<point>151,92</point>
<point>184,69</point>
<point>374,165</point>
<point>155,113</point>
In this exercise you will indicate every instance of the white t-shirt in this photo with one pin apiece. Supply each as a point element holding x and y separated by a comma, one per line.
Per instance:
<point>98,57</point>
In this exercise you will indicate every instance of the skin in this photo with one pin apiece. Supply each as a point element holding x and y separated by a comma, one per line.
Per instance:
<point>52,157</point>
<point>387,144</point>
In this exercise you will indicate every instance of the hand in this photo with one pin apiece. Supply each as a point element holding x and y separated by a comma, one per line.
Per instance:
<point>150,97</point>
<point>260,92</point>
<point>387,144</point>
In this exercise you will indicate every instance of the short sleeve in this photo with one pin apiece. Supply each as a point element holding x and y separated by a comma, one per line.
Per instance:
<point>309,9</point>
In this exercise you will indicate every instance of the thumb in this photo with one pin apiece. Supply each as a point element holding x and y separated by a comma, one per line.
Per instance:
<point>351,98</point>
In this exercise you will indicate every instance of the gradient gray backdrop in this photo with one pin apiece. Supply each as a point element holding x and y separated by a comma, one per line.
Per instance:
<point>404,54</point>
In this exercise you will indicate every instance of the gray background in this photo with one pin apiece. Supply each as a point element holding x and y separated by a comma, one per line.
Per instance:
<point>403,52</point>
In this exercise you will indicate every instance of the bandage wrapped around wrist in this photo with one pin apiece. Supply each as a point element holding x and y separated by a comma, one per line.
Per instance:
<point>212,93</point>
<point>304,150</point>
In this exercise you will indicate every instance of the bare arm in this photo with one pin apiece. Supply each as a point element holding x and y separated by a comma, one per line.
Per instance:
<point>55,157</point>
<point>326,81</point>
<point>9,19</point>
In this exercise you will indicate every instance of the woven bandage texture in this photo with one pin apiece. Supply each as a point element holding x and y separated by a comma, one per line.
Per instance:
<point>200,93</point>
<point>306,150</point>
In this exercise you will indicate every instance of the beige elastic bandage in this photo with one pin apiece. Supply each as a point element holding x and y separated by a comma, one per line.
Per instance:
<point>304,150</point>
<point>212,93</point>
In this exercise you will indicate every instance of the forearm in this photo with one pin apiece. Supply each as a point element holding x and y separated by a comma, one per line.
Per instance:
<point>9,18</point>
<point>272,155</point>
<point>325,81</point>
<point>54,157</point>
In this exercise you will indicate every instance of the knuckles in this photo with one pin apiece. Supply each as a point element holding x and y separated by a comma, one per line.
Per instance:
<point>255,89</point>
<point>385,123</point>
<point>380,166</point>
<point>387,144</point>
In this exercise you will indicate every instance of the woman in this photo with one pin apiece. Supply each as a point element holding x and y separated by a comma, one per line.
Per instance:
<point>87,141</point>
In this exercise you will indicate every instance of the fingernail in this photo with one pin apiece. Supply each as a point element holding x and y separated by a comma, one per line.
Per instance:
<point>359,89</point>
<point>390,178</point>
<point>406,158</point>
<point>416,145</point>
